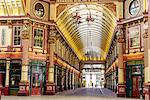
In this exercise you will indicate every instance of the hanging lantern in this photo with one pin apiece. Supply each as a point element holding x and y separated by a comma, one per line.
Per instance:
<point>89,19</point>
<point>77,18</point>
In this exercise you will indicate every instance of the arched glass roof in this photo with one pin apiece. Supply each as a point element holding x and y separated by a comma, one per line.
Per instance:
<point>89,30</point>
<point>12,8</point>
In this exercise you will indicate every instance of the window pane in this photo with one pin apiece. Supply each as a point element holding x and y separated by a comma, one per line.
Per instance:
<point>38,38</point>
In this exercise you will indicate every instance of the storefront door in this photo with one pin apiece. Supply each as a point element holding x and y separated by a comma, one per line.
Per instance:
<point>15,77</point>
<point>135,86</point>
<point>38,80</point>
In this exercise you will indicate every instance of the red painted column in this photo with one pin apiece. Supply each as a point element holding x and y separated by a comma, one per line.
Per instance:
<point>50,84</point>
<point>24,84</point>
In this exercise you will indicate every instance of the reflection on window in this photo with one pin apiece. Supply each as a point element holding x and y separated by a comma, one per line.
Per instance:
<point>134,7</point>
<point>136,70</point>
<point>17,35</point>
<point>134,36</point>
<point>3,36</point>
<point>15,74</point>
<point>39,10</point>
<point>38,38</point>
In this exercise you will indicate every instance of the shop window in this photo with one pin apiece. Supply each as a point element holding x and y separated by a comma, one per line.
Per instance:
<point>3,36</point>
<point>15,74</point>
<point>134,36</point>
<point>38,38</point>
<point>17,35</point>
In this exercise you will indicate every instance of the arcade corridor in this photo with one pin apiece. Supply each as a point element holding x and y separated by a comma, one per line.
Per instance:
<point>74,48</point>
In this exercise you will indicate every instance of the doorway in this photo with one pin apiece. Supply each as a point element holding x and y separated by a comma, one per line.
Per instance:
<point>37,78</point>
<point>136,86</point>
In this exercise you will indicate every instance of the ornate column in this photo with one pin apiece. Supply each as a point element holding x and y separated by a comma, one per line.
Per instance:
<point>66,78</point>
<point>146,37</point>
<point>81,65</point>
<point>62,80</point>
<point>24,84</point>
<point>55,76</point>
<point>50,84</point>
<point>7,76</point>
<point>73,85</point>
<point>121,84</point>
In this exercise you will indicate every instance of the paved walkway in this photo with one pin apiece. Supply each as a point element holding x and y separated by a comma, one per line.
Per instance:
<point>77,94</point>
<point>88,92</point>
<point>82,92</point>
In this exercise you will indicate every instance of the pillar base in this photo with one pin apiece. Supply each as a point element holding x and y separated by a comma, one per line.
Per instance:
<point>50,89</point>
<point>23,89</point>
<point>146,91</point>
<point>121,90</point>
<point>6,91</point>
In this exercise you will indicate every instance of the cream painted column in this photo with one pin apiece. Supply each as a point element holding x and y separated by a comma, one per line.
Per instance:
<point>24,85</point>
<point>121,84</point>
<point>73,85</point>
<point>7,76</point>
<point>146,55</point>
<point>66,78</point>
<point>146,37</point>
<point>120,64</point>
<point>70,79</point>
<point>56,75</point>
<point>62,79</point>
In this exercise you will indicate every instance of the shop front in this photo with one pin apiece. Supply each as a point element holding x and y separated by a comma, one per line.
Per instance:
<point>2,74</point>
<point>37,77</point>
<point>14,76</point>
<point>59,78</point>
<point>64,79</point>
<point>134,78</point>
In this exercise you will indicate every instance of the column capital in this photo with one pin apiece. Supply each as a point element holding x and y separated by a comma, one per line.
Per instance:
<point>120,39</point>
<point>52,40</point>
<point>25,32</point>
<point>120,35</point>
<point>25,35</point>
<point>145,34</point>
<point>53,34</point>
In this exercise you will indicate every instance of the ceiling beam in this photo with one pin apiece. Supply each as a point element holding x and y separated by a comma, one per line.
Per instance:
<point>93,62</point>
<point>86,1</point>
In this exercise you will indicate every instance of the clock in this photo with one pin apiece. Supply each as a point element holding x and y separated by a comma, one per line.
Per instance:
<point>39,9</point>
<point>134,7</point>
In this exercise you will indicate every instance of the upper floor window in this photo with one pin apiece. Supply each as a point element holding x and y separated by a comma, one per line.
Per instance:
<point>17,35</point>
<point>38,38</point>
<point>3,36</point>
<point>134,36</point>
<point>134,7</point>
